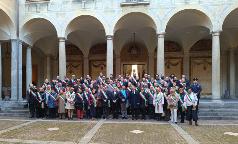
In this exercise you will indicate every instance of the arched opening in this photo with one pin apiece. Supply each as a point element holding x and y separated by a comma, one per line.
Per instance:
<point>190,29</point>
<point>6,33</point>
<point>74,61</point>
<point>229,47</point>
<point>97,57</point>
<point>135,33</point>
<point>134,58</point>
<point>88,34</point>
<point>42,36</point>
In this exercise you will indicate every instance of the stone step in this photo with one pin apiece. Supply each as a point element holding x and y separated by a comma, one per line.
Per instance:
<point>16,111</point>
<point>211,114</point>
<point>218,117</point>
<point>218,110</point>
<point>14,115</point>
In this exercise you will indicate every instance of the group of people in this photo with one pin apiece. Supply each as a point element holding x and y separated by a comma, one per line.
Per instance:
<point>160,98</point>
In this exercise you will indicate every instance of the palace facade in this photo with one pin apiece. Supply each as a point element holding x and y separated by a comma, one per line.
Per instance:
<point>45,38</point>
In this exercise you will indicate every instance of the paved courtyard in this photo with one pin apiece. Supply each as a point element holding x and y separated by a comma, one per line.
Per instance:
<point>23,131</point>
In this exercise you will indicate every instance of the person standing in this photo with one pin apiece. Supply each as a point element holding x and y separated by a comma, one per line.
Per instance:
<point>191,102</point>
<point>61,103</point>
<point>158,103</point>
<point>173,99</point>
<point>70,97</point>
<point>181,107</point>
<point>197,89</point>
<point>123,95</point>
<point>51,101</point>
<point>31,98</point>
<point>134,101</point>
<point>79,104</point>
<point>143,102</point>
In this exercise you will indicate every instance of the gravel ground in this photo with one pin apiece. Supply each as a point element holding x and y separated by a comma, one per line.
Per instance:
<point>120,133</point>
<point>211,134</point>
<point>39,131</point>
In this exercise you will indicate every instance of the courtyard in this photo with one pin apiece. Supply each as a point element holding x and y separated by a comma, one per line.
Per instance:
<point>42,131</point>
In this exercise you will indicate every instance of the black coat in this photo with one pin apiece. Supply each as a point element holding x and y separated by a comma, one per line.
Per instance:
<point>134,99</point>
<point>79,102</point>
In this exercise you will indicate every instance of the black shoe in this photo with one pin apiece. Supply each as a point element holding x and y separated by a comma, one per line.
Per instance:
<point>175,122</point>
<point>182,122</point>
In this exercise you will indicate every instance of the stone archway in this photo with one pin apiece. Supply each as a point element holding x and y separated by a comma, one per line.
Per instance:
<point>144,29</point>
<point>229,48</point>
<point>87,33</point>
<point>134,54</point>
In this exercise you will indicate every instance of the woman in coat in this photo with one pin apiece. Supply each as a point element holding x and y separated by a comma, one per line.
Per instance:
<point>61,104</point>
<point>79,104</point>
<point>158,103</point>
<point>70,96</point>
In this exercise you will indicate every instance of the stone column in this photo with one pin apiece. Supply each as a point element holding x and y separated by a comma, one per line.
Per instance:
<point>232,74</point>
<point>0,71</point>
<point>151,64</point>
<point>216,77</point>
<point>14,69</point>
<point>85,66</point>
<point>118,65</point>
<point>48,67</point>
<point>20,71</point>
<point>160,54</point>
<point>186,64</point>
<point>62,58</point>
<point>109,55</point>
<point>28,67</point>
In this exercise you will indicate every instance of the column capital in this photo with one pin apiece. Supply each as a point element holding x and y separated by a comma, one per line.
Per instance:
<point>62,39</point>
<point>85,57</point>
<point>161,35</point>
<point>109,37</point>
<point>216,33</point>
<point>29,47</point>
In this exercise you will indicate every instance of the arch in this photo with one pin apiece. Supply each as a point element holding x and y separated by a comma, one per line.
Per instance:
<point>149,18</point>
<point>73,27</point>
<point>85,31</point>
<point>225,14</point>
<point>176,11</point>
<point>71,18</point>
<point>7,26</point>
<point>36,28</point>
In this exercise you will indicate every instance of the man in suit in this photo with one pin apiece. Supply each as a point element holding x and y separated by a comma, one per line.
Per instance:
<point>134,101</point>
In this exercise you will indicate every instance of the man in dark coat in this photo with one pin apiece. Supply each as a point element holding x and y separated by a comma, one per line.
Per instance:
<point>32,101</point>
<point>134,101</point>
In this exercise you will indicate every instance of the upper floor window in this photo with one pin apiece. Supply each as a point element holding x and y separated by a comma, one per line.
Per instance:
<point>36,0</point>
<point>135,2</point>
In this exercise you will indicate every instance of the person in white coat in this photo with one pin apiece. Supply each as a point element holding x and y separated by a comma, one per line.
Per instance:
<point>191,102</point>
<point>158,103</point>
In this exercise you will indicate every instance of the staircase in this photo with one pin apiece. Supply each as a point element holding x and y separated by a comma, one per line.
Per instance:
<point>13,109</point>
<point>218,110</point>
<point>208,109</point>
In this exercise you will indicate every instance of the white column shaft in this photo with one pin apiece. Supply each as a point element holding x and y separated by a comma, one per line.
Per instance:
<point>216,77</point>
<point>14,71</point>
<point>232,74</point>
<point>0,71</point>
<point>160,55</point>
<point>20,70</point>
<point>109,55</point>
<point>28,67</point>
<point>62,58</point>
